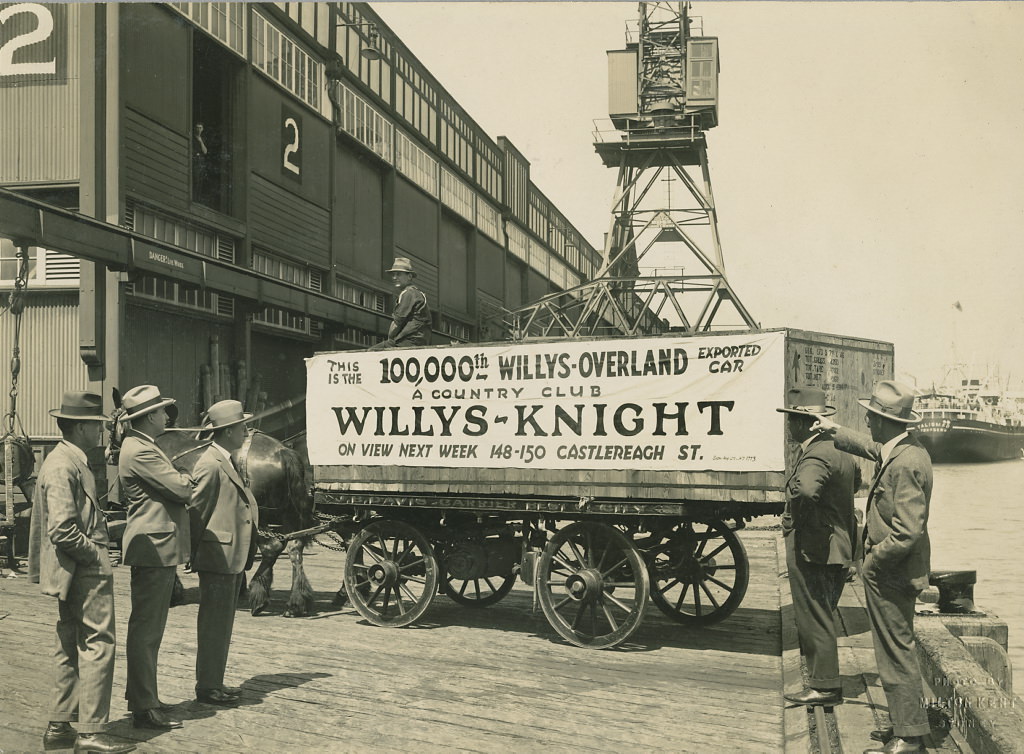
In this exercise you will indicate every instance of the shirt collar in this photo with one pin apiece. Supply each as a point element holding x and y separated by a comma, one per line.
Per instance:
<point>151,439</point>
<point>76,451</point>
<point>888,448</point>
<point>224,452</point>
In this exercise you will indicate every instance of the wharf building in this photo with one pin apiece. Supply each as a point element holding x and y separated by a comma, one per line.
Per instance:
<point>252,169</point>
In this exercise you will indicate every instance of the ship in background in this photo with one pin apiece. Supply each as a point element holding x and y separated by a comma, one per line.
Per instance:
<point>970,420</point>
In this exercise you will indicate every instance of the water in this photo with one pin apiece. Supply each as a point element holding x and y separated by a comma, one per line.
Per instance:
<point>977,523</point>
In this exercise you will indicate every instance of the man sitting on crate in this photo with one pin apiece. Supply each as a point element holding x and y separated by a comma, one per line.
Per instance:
<point>819,530</point>
<point>410,324</point>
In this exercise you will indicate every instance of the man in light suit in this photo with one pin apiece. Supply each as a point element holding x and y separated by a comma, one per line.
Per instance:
<point>156,541</point>
<point>819,529</point>
<point>896,553</point>
<point>69,558</point>
<point>225,518</point>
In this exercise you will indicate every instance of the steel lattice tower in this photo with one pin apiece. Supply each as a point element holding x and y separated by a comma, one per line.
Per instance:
<point>663,97</point>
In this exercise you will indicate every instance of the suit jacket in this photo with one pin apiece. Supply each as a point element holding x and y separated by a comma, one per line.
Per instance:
<point>896,543</point>
<point>819,504</point>
<point>68,530</point>
<point>224,516</point>
<point>157,531</point>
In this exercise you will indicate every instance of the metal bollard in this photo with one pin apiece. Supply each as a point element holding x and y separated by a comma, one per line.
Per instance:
<point>956,590</point>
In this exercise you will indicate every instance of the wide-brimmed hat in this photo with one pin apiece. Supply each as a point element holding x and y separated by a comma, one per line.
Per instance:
<point>807,401</point>
<point>893,400</point>
<point>80,406</point>
<point>402,264</point>
<point>142,400</point>
<point>224,414</point>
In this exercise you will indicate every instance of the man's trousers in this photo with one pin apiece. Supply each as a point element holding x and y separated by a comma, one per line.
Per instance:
<point>85,651</point>
<point>816,592</point>
<point>218,598</point>
<point>151,599</point>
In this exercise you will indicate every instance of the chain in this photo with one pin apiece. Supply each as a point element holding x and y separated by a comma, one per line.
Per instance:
<point>340,543</point>
<point>17,306</point>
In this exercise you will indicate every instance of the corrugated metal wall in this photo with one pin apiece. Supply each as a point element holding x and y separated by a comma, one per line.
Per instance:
<point>156,162</point>
<point>281,221</point>
<point>358,216</point>
<point>49,359</point>
<point>453,286</point>
<point>41,142</point>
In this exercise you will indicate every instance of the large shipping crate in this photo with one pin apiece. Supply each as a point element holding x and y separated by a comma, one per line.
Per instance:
<point>615,425</point>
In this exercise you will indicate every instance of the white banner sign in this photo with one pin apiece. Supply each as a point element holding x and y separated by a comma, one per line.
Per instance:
<point>686,403</point>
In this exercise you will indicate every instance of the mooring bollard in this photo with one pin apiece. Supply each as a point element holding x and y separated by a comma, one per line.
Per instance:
<point>956,590</point>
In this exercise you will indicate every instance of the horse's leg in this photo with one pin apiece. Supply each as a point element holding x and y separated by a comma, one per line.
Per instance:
<point>300,602</point>
<point>340,596</point>
<point>263,579</point>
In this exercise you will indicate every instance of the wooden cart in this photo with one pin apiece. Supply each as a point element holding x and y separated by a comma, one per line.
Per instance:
<point>601,520</point>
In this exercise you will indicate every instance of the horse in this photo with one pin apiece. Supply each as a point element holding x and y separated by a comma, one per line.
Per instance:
<point>276,474</point>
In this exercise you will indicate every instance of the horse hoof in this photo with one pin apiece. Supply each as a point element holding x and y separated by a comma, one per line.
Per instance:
<point>339,599</point>
<point>258,610</point>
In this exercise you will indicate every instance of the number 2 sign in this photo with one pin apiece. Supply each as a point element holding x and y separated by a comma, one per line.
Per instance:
<point>33,43</point>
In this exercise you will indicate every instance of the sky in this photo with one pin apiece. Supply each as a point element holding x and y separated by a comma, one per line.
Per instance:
<point>868,165</point>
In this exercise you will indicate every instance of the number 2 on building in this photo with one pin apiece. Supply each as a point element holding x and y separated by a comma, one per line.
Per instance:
<point>291,148</point>
<point>42,32</point>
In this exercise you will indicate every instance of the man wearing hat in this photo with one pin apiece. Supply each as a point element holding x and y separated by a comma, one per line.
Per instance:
<point>225,517</point>
<point>896,552</point>
<point>68,557</point>
<point>819,530</point>
<point>410,324</point>
<point>156,541</point>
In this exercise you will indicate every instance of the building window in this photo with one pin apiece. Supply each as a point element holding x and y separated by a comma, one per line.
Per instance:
<point>518,242</point>
<point>180,294</point>
<point>355,337</point>
<point>457,195</point>
<point>362,121</point>
<point>416,164</point>
<point>162,227</point>
<point>455,330</point>
<point>360,296</point>
<point>224,21</point>
<point>488,220</point>
<point>285,62</point>
<point>45,266</point>
<point>289,272</point>
<point>282,319</point>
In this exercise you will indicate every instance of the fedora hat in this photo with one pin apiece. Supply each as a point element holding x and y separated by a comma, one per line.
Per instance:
<point>893,400</point>
<point>80,406</point>
<point>224,414</point>
<point>402,264</point>
<point>142,400</point>
<point>807,401</point>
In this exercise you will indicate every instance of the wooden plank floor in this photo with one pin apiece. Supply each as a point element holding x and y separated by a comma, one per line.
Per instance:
<point>496,679</point>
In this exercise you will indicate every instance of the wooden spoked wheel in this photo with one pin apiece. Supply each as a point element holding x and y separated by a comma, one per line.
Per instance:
<point>699,572</point>
<point>390,573</point>
<point>477,592</point>
<point>592,584</point>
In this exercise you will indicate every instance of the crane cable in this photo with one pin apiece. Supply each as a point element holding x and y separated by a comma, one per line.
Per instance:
<point>15,440</point>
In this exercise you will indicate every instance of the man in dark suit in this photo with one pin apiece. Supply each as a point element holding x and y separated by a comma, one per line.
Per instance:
<point>156,541</point>
<point>896,553</point>
<point>819,529</point>
<point>225,517</point>
<point>69,558</point>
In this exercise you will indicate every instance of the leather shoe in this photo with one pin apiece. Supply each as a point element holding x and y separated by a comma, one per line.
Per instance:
<point>153,719</point>
<point>217,697</point>
<point>165,707</point>
<point>231,690</point>
<point>102,743</point>
<point>882,734</point>
<point>816,698</point>
<point>59,735</point>
<point>897,745</point>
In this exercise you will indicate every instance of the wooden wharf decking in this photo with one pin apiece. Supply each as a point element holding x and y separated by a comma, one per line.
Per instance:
<point>494,679</point>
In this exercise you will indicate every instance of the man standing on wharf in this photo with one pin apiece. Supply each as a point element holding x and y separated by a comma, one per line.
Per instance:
<point>156,541</point>
<point>225,519</point>
<point>819,529</point>
<point>69,558</point>
<point>896,553</point>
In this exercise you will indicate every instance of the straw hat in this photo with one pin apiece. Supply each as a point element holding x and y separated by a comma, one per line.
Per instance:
<point>402,264</point>
<point>143,400</point>
<point>893,400</point>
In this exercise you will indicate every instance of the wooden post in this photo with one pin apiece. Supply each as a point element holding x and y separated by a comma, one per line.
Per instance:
<point>206,389</point>
<point>215,386</point>
<point>243,383</point>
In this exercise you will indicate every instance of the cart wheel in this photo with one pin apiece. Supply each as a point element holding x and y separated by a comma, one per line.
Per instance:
<point>699,572</point>
<point>477,592</point>
<point>390,573</point>
<point>592,585</point>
